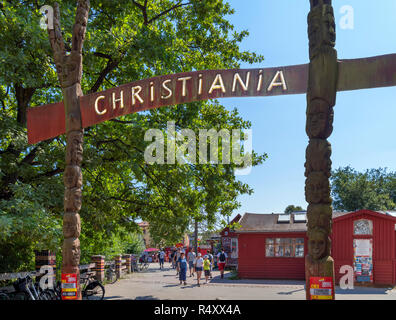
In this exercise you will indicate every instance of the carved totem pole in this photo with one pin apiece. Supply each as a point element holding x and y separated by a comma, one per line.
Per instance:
<point>69,68</point>
<point>321,97</point>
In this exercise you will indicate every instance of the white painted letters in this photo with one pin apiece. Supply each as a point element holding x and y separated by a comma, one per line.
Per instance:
<point>121,100</point>
<point>245,86</point>
<point>184,80</point>
<point>274,82</point>
<point>170,93</point>
<point>98,112</point>
<point>216,86</point>
<point>136,95</point>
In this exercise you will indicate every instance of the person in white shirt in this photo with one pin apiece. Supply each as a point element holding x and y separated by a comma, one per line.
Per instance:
<point>199,267</point>
<point>161,257</point>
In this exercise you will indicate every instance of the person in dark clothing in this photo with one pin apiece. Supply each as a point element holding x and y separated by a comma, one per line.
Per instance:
<point>182,262</point>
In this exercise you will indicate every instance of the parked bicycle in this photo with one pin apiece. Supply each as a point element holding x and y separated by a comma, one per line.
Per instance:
<point>25,289</point>
<point>92,289</point>
<point>143,265</point>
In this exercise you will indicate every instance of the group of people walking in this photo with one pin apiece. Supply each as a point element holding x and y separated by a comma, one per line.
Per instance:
<point>196,264</point>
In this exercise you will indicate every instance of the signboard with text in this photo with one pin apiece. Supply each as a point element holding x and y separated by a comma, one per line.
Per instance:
<point>69,286</point>
<point>48,121</point>
<point>321,288</point>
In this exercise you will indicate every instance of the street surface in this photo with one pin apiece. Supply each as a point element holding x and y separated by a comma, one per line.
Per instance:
<point>155,284</point>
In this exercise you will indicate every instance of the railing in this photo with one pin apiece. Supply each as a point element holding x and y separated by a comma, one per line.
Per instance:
<point>122,263</point>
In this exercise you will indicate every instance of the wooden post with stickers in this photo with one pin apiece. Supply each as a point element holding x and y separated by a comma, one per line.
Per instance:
<point>69,69</point>
<point>320,80</point>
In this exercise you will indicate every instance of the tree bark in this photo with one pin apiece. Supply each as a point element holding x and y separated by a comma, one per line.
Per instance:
<point>69,69</point>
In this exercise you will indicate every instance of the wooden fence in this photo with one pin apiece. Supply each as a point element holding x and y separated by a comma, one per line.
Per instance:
<point>121,266</point>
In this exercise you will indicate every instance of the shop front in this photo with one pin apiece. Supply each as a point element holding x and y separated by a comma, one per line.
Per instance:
<point>273,246</point>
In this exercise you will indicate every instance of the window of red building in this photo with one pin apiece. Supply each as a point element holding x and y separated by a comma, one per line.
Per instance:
<point>284,247</point>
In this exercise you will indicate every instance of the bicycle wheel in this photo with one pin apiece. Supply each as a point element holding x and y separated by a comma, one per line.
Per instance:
<point>44,295</point>
<point>94,291</point>
<point>50,294</point>
<point>111,277</point>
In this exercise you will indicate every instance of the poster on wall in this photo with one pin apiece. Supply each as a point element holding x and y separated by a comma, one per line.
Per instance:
<point>363,260</point>
<point>234,248</point>
<point>226,244</point>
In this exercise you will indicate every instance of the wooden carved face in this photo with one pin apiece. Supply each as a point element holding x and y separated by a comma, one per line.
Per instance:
<point>73,200</point>
<point>71,225</point>
<point>317,188</point>
<point>319,215</point>
<point>71,249</point>
<point>321,29</point>
<point>318,244</point>
<point>69,69</point>
<point>319,119</point>
<point>74,155</point>
<point>318,157</point>
<point>72,177</point>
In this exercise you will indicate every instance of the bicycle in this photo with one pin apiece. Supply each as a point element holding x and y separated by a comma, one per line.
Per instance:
<point>134,266</point>
<point>110,274</point>
<point>143,265</point>
<point>26,289</point>
<point>92,289</point>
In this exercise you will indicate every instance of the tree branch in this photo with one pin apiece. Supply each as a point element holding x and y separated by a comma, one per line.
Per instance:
<point>110,66</point>
<point>168,10</point>
<point>143,8</point>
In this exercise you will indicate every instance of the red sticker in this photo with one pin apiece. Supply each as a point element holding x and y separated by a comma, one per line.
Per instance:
<point>321,288</point>
<point>69,286</point>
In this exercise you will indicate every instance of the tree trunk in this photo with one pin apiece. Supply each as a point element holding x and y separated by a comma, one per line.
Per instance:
<point>196,236</point>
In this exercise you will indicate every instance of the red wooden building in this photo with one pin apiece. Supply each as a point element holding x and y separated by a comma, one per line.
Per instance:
<point>273,246</point>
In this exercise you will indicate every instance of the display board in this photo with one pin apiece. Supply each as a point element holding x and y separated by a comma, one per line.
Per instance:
<point>363,260</point>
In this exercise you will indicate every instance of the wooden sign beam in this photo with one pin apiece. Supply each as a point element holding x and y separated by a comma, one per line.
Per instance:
<point>48,121</point>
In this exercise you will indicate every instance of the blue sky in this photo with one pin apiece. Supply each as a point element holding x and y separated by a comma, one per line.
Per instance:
<point>364,133</point>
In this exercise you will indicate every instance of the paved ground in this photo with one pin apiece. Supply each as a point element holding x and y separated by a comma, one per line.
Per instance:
<point>163,284</point>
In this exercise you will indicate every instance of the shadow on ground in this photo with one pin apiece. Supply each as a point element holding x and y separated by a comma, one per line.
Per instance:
<point>115,298</point>
<point>363,290</point>
<point>227,279</point>
<point>146,298</point>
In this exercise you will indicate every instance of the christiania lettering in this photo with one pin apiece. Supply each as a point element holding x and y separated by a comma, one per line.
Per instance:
<point>191,87</point>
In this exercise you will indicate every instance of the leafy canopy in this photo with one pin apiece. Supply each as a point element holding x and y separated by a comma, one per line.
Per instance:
<point>374,189</point>
<point>125,41</point>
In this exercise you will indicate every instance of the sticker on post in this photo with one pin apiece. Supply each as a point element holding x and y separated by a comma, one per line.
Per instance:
<point>321,288</point>
<point>69,286</point>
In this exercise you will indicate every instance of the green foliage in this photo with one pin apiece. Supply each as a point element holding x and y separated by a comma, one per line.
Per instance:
<point>125,41</point>
<point>292,208</point>
<point>374,189</point>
